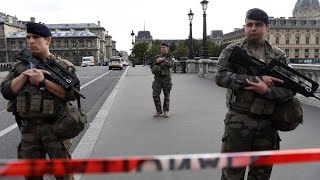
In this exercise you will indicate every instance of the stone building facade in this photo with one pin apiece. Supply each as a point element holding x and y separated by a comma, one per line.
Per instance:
<point>298,36</point>
<point>70,41</point>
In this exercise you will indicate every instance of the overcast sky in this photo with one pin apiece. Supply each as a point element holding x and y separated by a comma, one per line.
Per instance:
<point>165,19</point>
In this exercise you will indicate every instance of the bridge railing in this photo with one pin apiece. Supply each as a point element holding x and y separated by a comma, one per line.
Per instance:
<point>208,67</point>
<point>5,66</point>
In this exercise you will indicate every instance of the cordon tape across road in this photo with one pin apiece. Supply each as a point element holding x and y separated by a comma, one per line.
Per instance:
<point>140,164</point>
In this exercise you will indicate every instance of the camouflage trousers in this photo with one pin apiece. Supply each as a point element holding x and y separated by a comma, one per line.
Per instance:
<point>245,132</point>
<point>37,141</point>
<point>161,83</point>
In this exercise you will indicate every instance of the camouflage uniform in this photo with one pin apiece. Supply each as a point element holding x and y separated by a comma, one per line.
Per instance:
<point>162,81</point>
<point>247,122</point>
<point>37,111</point>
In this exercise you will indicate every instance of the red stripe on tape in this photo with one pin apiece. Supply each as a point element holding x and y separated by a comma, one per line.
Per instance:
<point>155,163</point>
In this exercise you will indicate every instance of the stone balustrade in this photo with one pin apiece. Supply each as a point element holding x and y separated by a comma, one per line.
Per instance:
<point>208,67</point>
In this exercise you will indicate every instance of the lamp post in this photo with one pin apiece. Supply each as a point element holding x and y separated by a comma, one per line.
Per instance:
<point>205,52</point>
<point>132,55</point>
<point>132,34</point>
<point>191,55</point>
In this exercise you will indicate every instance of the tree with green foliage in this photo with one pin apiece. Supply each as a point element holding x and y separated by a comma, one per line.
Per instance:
<point>140,51</point>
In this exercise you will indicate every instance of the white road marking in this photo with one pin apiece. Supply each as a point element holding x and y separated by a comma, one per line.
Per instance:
<point>8,129</point>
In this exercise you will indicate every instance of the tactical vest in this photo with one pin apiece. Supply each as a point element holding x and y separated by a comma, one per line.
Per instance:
<point>249,101</point>
<point>33,102</point>
<point>160,69</point>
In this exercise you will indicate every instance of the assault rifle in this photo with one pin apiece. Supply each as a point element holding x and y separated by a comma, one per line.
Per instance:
<point>256,67</point>
<point>151,61</point>
<point>58,73</point>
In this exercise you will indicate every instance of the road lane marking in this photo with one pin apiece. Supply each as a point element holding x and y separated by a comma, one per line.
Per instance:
<point>12,127</point>
<point>92,74</point>
<point>83,86</point>
<point>8,129</point>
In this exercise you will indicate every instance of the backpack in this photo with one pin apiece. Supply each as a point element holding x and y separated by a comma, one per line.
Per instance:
<point>70,122</point>
<point>288,115</point>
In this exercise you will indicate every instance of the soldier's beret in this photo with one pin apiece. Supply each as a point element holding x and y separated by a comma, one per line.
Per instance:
<point>38,29</point>
<point>165,44</point>
<point>257,15</point>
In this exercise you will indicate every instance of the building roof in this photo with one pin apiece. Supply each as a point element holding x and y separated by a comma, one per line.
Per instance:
<point>57,34</point>
<point>306,4</point>
<point>144,35</point>
<point>73,26</point>
<point>217,34</point>
<point>11,20</point>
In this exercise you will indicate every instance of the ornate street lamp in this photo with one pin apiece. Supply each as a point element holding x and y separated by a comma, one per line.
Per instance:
<point>132,55</point>
<point>191,55</point>
<point>205,51</point>
<point>132,34</point>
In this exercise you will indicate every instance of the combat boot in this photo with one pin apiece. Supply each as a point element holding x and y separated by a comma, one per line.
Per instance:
<point>157,114</point>
<point>157,103</point>
<point>166,114</point>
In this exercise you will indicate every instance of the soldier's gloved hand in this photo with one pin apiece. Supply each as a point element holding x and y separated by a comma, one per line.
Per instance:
<point>36,75</point>
<point>259,87</point>
<point>270,81</point>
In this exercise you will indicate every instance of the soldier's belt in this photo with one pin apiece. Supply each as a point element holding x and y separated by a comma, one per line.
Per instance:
<point>40,120</point>
<point>250,114</point>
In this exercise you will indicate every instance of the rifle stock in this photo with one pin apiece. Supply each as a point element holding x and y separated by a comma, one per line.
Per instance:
<point>301,84</point>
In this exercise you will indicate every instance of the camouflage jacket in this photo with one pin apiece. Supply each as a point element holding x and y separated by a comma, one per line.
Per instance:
<point>233,77</point>
<point>163,68</point>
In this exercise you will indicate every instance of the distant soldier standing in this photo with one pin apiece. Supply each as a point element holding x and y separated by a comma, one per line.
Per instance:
<point>37,100</point>
<point>161,69</point>
<point>251,100</point>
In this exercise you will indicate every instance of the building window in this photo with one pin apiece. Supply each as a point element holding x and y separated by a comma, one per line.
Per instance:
<point>296,50</point>
<point>297,40</point>
<point>13,45</point>
<point>287,40</point>
<point>306,56</point>
<point>316,56</point>
<point>58,44</point>
<point>317,40</point>
<point>277,40</point>
<point>306,50</point>
<point>74,44</point>
<point>287,51</point>
<point>21,46</point>
<point>307,40</point>
<point>316,50</point>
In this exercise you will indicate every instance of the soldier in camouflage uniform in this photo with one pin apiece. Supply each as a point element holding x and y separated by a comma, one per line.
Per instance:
<point>161,69</point>
<point>37,100</point>
<point>250,100</point>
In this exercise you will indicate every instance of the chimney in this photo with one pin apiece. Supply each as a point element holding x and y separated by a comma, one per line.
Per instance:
<point>98,23</point>
<point>9,18</point>
<point>32,19</point>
